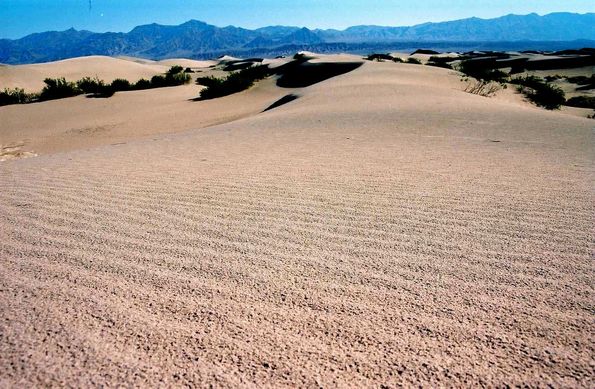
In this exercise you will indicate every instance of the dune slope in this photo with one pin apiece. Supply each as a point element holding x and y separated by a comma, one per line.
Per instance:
<point>384,228</point>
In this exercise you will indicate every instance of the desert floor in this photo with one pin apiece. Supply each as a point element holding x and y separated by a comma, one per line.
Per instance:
<point>385,228</point>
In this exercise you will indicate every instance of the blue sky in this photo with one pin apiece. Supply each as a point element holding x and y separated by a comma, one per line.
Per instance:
<point>22,17</point>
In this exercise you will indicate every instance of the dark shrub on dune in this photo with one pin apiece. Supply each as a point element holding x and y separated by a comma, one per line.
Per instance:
<point>539,92</point>
<point>234,83</point>
<point>175,69</point>
<point>16,96</point>
<point>175,79</point>
<point>58,88</point>
<point>142,84</point>
<point>174,76</point>
<point>121,85</point>
<point>158,81</point>
<point>90,85</point>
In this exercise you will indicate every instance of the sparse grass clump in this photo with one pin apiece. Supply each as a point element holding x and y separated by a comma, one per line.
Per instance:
<point>539,92</point>
<point>234,83</point>
<point>483,88</point>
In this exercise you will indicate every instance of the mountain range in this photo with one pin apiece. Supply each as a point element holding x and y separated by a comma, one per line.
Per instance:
<point>196,39</point>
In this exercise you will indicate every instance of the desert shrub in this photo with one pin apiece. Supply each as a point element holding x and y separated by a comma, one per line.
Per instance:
<point>175,69</point>
<point>89,85</point>
<point>158,81</point>
<point>173,79</point>
<point>58,88</point>
<point>16,96</point>
<point>483,88</point>
<point>581,102</point>
<point>539,92</point>
<point>188,70</point>
<point>398,60</point>
<point>142,84</point>
<point>414,61</point>
<point>234,83</point>
<point>120,84</point>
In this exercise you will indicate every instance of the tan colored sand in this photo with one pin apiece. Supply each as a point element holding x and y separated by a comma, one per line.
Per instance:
<point>384,229</point>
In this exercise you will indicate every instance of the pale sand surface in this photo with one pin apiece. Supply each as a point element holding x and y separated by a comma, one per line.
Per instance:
<point>383,229</point>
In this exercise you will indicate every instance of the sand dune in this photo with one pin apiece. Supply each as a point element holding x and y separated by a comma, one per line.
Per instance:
<point>382,229</point>
<point>30,77</point>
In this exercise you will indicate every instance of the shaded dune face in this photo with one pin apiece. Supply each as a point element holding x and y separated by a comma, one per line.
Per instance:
<point>301,74</point>
<point>282,101</point>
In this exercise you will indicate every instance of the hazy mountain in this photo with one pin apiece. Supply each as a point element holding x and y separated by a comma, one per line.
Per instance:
<point>199,39</point>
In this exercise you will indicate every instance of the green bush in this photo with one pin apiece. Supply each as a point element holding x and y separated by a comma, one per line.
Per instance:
<point>142,84</point>
<point>581,102</point>
<point>177,79</point>
<point>89,85</point>
<point>174,76</point>
<point>539,92</point>
<point>16,96</point>
<point>234,83</point>
<point>120,85</point>
<point>58,88</point>
<point>175,69</point>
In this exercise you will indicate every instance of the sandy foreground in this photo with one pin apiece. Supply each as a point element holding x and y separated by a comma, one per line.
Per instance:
<point>383,229</point>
